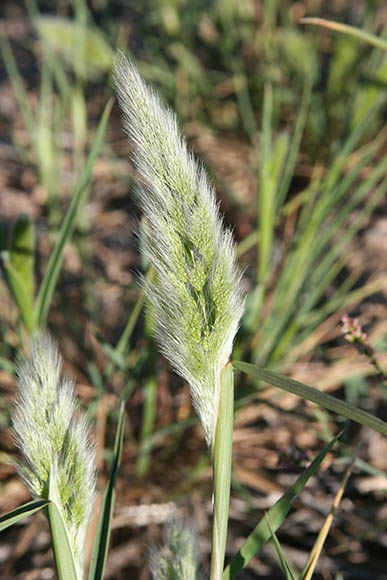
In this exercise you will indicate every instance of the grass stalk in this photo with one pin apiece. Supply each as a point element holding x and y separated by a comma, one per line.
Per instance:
<point>221,465</point>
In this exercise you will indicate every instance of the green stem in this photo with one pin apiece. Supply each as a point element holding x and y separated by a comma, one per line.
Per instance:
<point>221,466</point>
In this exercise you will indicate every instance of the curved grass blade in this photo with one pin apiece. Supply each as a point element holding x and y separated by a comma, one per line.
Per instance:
<point>276,514</point>
<point>14,516</point>
<point>313,395</point>
<point>51,274</point>
<point>350,30</point>
<point>63,554</point>
<point>285,566</point>
<point>102,537</point>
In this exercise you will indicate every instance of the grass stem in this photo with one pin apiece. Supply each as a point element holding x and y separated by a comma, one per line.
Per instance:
<point>221,465</point>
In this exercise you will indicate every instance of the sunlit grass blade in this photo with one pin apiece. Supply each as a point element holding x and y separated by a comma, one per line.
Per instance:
<point>285,566</point>
<point>19,265</point>
<point>327,268</point>
<point>20,296</point>
<point>63,554</point>
<point>276,514</point>
<point>51,274</point>
<point>313,395</point>
<point>347,29</point>
<point>22,252</point>
<point>314,246</point>
<point>309,568</point>
<point>272,159</point>
<point>19,513</point>
<point>340,300</point>
<point>102,537</point>
<point>221,467</point>
<point>294,146</point>
<point>147,424</point>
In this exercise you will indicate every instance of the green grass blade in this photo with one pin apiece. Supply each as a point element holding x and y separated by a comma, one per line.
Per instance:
<point>285,566</point>
<point>22,252</point>
<point>266,186</point>
<point>63,554</point>
<point>19,265</point>
<point>288,170</point>
<point>147,424</point>
<point>346,29</point>
<point>276,514</point>
<point>102,537</point>
<point>221,466</point>
<point>51,274</point>
<point>14,516</point>
<point>313,395</point>
<point>19,294</point>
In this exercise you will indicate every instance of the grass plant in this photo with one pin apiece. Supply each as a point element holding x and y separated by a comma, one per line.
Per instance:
<point>57,458</point>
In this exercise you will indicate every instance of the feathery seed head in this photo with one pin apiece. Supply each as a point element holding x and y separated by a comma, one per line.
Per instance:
<point>178,559</point>
<point>195,292</point>
<point>57,456</point>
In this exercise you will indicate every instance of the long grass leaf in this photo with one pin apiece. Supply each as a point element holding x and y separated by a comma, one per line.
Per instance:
<point>276,514</point>
<point>288,170</point>
<point>221,465</point>
<point>285,566</point>
<point>313,395</point>
<point>102,537</point>
<point>63,554</point>
<point>19,513</point>
<point>51,274</point>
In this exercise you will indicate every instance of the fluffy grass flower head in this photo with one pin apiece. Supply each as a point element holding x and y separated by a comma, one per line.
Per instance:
<point>195,293</point>
<point>57,456</point>
<point>178,559</point>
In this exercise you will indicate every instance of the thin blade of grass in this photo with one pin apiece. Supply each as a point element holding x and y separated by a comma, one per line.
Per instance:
<point>147,424</point>
<point>313,395</point>
<point>347,29</point>
<point>102,537</point>
<point>63,554</point>
<point>308,570</point>
<point>326,269</point>
<point>276,514</point>
<point>19,513</point>
<point>288,170</point>
<point>285,566</point>
<point>266,201</point>
<point>51,274</point>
